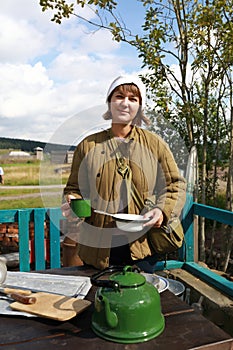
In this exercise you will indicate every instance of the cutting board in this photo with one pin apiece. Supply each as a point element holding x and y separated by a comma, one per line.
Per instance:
<point>57,307</point>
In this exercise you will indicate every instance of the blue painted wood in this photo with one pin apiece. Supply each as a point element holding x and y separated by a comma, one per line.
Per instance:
<point>54,218</point>
<point>7,215</point>
<point>168,265</point>
<point>36,215</point>
<point>39,246</point>
<point>220,215</point>
<point>210,277</point>
<point>186,257</point>
<point>186,252</point>
<point>24,254</point>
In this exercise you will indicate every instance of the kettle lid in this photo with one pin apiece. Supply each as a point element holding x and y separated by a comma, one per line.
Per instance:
<point>127,278</point>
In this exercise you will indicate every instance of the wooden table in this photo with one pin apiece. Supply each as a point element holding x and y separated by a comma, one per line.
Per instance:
<point>184,328</point>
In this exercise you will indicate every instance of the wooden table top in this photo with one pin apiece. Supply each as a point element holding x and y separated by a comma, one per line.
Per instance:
<point>184,328</point>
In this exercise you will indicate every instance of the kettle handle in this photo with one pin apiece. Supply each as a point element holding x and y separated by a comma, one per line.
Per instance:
<point>95,281</point>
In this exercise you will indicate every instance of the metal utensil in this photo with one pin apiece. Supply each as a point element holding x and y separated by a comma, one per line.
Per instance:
<point>124,217</point>
<point>80,290</point>
<point>3,272</point>
<point>103,212</point>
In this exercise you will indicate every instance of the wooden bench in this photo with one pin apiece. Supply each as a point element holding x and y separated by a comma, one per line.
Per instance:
<point>187,255</point>
<point>38,216</point>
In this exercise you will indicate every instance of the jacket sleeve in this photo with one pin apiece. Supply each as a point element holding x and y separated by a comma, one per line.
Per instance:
<point>77,183</point>
<point>170,186</point>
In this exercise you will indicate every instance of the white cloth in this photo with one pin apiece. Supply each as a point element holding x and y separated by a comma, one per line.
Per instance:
<point>1,171</point>
<point>127,79</point>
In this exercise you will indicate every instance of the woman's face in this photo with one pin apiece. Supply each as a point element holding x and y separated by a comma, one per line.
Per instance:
<point>124,105</point>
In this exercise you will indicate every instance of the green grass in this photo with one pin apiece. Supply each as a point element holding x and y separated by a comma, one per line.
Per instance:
<point>31,173</point>
<point>35,202</point>
<point>43,198</point>
<point>14,192</point>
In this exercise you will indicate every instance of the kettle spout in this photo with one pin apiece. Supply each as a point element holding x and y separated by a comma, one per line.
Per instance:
<point>111,317</point>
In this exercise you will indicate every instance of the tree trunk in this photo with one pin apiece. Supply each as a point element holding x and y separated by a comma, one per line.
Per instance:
<point>229,192</point>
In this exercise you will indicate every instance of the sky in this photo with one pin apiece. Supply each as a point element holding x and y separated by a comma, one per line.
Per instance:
<point>52,75</point>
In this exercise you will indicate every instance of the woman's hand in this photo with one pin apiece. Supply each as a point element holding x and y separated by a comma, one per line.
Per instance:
<point>65,208</point>
<point>156,217</point>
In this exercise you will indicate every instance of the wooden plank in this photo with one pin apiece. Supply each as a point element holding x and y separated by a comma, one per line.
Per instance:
<point>39,219</point>
<point>58,307</point>
<point>169,265</point>
<point>220,215</point>
<point>8,215</point>
<point>187,223</point>
<point>23,221</point>
<point>54,221</point>
<point>210,277</point>
<point>184,328</point>
<point>222,345</point>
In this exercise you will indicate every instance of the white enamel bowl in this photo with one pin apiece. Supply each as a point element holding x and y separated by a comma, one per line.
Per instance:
<point>127,222</point>
<point>130,222</point>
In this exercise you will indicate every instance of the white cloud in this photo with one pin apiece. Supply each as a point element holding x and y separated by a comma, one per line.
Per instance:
<point>49,72</point>
<point>24,89</point>
<point>16,35</point>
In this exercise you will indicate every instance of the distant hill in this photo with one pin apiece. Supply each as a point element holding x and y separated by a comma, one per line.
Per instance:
<point>29,145</point>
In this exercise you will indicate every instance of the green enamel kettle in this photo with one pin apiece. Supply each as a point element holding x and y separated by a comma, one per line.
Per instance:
<point>127,307</point>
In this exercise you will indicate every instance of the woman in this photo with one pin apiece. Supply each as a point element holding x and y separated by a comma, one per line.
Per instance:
<point>124,169</point>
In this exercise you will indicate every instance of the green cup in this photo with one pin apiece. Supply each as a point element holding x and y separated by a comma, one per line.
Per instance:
<point>81,207</point>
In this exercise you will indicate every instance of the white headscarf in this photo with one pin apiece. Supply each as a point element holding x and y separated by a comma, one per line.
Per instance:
<point>128,80</point>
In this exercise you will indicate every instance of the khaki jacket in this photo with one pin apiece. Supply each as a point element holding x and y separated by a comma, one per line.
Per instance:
<point>94,175</point>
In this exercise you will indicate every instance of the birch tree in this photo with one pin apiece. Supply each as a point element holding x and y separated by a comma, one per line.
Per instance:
<point>187,48</point>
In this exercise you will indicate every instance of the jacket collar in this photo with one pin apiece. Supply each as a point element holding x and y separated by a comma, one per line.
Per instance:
<point>129,138</point>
